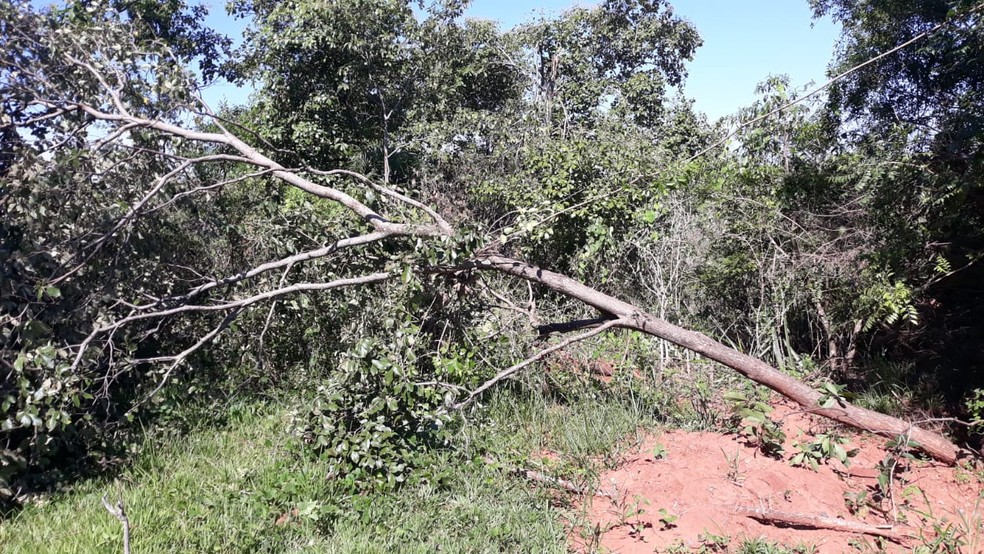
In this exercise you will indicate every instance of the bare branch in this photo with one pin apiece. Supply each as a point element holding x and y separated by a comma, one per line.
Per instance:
<point>207,188</point>
<point>535,358</point>
<point>178,359</point>
<point>137,206</point>
<point>260,344</point>
<point>364,212</point>
<point>631,317</point>
<point>226,306</point>
<point>820,522</point>
<point>440,221</point>
<point>269,266</point>
<point>546,330</point>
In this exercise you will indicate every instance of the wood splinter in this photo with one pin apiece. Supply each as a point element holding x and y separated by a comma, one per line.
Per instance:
<point>819,522</point>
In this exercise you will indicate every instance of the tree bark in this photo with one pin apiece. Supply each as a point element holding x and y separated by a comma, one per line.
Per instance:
<point>932,443</point>
<point>821,522</point>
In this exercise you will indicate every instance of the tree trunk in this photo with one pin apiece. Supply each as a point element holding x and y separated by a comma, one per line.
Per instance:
<point>932,443</point>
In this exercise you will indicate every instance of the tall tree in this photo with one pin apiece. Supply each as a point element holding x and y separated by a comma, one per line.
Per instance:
<point>621,55</point>
<point>916,120</point>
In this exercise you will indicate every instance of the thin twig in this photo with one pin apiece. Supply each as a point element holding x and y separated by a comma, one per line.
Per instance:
<point>261,343</point>
<point>178,359</point>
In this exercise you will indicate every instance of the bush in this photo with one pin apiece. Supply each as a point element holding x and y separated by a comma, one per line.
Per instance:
<point>373,420</point>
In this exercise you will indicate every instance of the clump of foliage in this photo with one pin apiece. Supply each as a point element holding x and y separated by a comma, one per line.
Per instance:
<point>753,416</point>
<point>975,407</point>
<point>826,446</point>
<point>373,420</point>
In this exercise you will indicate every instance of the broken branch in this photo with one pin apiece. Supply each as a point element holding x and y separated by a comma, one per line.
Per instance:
<point>820,522</point>
<point>119,513</point>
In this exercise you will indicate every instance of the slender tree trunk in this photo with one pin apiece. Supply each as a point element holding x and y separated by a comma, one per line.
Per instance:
<point>833,352</point>
<point>852,345</point>
<point>932,443</point>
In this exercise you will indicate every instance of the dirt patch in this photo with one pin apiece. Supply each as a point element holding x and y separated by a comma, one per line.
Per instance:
<point>684,489</point>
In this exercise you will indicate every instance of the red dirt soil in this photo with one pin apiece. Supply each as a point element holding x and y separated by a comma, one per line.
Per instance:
<point>705,477</point>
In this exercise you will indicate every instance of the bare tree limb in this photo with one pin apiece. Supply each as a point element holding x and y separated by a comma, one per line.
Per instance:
<point>260,342</point>
<point>441,222</point>
<point>820,522</point>
<point>225,306</point>
<point>535,358</point>
<point>367,214</point>
<point>546,330</point>
<point>632,317</point>
<point>277,264</point>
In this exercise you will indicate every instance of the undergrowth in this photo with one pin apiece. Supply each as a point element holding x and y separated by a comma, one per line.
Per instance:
<point>249,484</point>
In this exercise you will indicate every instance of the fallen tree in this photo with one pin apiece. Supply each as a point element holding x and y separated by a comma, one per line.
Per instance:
<point>628,316</point>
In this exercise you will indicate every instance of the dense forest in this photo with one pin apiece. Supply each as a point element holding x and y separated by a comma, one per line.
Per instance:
<point>420,219</point>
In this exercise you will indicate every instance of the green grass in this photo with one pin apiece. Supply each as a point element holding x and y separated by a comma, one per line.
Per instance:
<point>585,430</point>
<point>761,546</point>
<point>223,490</point>
<point>249,486</point>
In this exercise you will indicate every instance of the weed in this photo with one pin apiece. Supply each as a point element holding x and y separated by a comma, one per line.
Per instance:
<point>975,407</point>
<point>705,414</point>
<point>735,474</point>
<point>968,471</point>
<point>964,533</point>
<point>946,538</point>
<point>832,395</point>
<point>757,425</point>
<point>659,451</point>
<point>857,503</point>
<point>667,519</point>
<point>679,547</point>
<point>762,546</point>
<point>825,447</point>
<point>630,510</point>
<point>713,543</point>
<point>865,545</point>
<point>900,448</point>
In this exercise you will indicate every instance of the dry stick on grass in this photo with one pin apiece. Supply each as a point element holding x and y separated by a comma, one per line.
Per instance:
<point>119,513</point>
<point>557,482</point>
<point>819,522</point>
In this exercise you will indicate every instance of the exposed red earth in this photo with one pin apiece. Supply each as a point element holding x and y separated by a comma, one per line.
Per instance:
<point>701,492</point>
